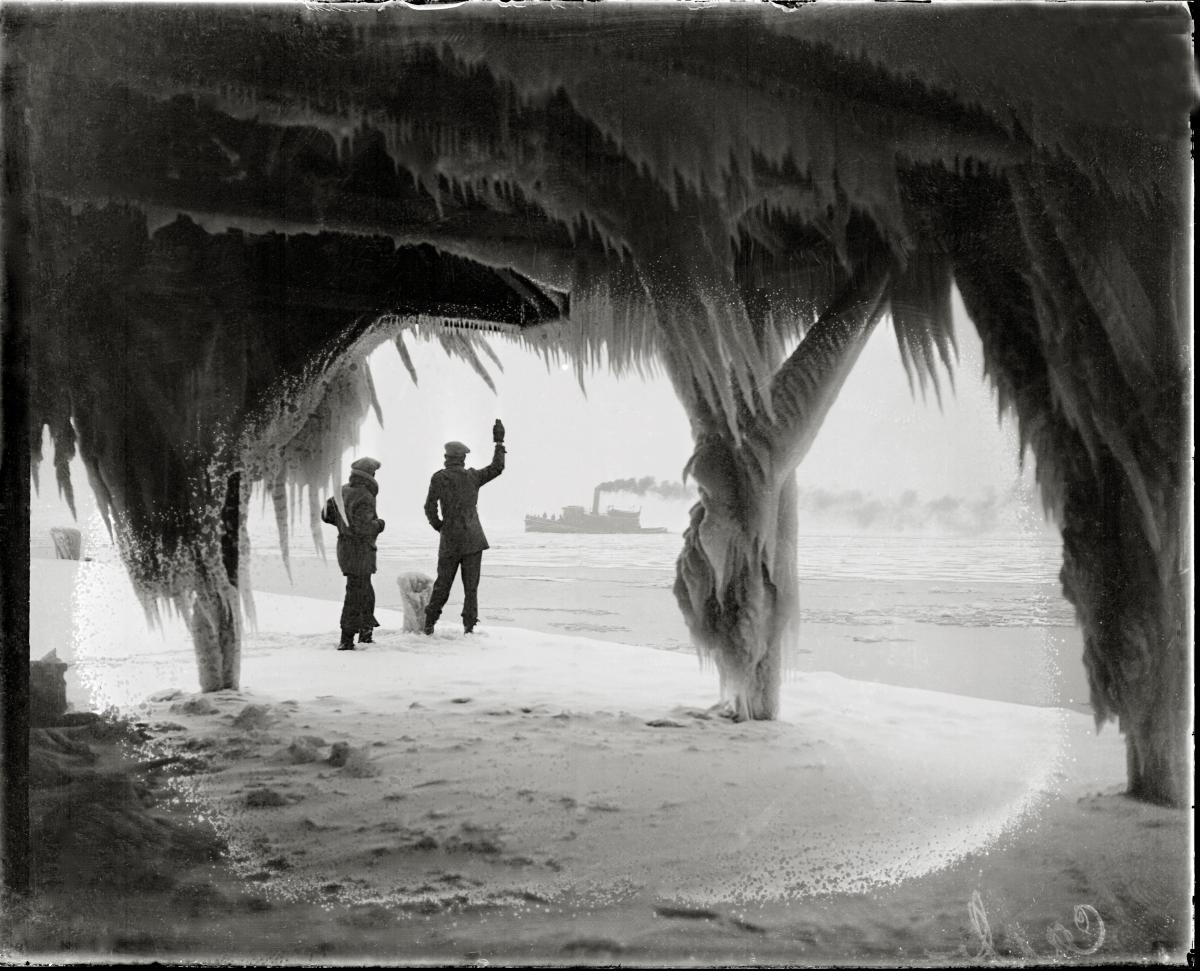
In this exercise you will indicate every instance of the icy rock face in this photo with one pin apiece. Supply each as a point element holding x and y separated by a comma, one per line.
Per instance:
<point>47,690</point>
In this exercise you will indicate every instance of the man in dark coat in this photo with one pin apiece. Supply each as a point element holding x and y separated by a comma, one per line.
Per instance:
<point>356,551</point>
<point>455,489</point>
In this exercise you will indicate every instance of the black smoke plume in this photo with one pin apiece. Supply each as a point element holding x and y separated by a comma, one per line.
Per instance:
<point>648,486</point>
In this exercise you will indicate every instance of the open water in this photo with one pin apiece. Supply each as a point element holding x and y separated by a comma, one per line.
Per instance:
<point>969,559</point>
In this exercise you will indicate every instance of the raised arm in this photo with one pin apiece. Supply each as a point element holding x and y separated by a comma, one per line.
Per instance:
<point>497,466</point>
<point>490,472</point>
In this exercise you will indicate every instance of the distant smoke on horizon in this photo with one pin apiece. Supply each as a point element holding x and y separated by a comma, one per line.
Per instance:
<point>908,512</point>
<point>649,486</point>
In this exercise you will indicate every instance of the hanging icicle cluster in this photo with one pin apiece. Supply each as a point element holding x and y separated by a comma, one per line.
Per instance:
<point>294,448</point>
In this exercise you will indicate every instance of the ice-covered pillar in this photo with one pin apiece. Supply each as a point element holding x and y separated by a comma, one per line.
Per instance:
<point>1131,603</point>
<point>736,580</point>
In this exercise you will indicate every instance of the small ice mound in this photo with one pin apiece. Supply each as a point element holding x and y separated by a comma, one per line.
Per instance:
<point>603,806</point>
<point>199,705</point>
<point>254,718</point>
<point>301,751</point>
<point>415,590</point>
<point>472,838</point>
<point>593,946</point>
<point>359,764</point>
<point>265,797</point>
<point>369,916</point>
<point>700,714</point>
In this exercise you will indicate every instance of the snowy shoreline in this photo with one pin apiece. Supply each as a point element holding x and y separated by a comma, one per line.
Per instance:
<point>1012,641</point>
<point>518,774</point>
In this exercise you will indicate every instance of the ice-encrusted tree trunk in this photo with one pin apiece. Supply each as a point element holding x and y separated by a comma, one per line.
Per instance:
<point>736,577</point>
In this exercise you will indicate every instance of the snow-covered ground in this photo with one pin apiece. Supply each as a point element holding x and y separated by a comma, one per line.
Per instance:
<point>542,774</point>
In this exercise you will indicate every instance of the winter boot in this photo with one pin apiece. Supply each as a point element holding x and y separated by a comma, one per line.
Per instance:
<point>347,642</point>
<point>366,637</point>
<point>469,627</point>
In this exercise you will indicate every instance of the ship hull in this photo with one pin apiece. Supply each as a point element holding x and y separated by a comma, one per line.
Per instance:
<point>536,524</point>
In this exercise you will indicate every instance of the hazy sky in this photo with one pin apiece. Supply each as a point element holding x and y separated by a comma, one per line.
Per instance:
<point>878,439</point>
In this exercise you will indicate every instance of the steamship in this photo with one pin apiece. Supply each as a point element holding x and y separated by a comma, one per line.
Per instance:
<point>576,519</point>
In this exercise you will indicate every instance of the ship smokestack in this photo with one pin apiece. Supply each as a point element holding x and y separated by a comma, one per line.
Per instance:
<point>596,502</point>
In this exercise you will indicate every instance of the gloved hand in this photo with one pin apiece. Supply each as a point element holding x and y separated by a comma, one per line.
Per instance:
<point>381,524</point>
<point>498,432</point>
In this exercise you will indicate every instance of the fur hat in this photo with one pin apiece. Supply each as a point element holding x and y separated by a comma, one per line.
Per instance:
<point>366,466</point>
<point>456,449</point>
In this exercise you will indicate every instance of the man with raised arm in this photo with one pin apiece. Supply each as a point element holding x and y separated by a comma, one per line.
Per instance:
<point>455,489</point>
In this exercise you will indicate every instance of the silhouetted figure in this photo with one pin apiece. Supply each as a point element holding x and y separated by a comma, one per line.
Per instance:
<point>356,550</point>
<point>456,489</point>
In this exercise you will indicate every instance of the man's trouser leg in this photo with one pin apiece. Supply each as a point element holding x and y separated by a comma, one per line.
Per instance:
<point>447,568</point>
<point>470,574</point>
<point>368,623</point>
<point>358,609</point>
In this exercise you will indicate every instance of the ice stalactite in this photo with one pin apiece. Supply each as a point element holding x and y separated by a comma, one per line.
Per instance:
<point>297,441</point>
<point>244,550</point>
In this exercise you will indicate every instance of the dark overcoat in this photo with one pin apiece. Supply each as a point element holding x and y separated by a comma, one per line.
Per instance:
<point>455,490</point>
<point>356,543</point>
